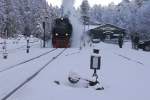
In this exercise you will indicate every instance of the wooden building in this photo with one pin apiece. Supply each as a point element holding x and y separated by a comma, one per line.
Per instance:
<point>106,31</point>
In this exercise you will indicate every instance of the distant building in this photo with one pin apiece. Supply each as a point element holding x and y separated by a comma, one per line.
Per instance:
<point>106,31</point>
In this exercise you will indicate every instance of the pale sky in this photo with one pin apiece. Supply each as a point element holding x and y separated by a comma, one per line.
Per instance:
<point>91,2</point>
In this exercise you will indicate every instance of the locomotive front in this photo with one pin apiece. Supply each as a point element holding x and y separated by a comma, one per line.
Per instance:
<point>61,33</point>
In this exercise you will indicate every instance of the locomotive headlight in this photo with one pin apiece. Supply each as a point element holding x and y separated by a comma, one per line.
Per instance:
<point>56,34</point>
<point>62,18</point>
<point>67,34</point>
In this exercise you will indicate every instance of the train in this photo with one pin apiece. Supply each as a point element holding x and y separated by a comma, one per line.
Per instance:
<point>62,33</point>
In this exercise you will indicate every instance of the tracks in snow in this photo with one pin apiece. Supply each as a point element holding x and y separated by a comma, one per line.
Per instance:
<point>32,76</point>
<point>129,59</point>
<point>34,58</point>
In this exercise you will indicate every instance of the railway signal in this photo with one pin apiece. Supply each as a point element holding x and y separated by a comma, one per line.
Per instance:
<point>95,62</point>
<point>95,65</point>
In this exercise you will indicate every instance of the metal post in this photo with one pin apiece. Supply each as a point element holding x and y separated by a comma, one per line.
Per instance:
<point>95,72</point>
<point>44,36</point>
<point>5,54</point>
<point>28,46</point>
<point>4,51</point>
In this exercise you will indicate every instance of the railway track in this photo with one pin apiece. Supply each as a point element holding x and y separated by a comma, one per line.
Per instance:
<point>129,59</point>
<point>73,53</point>
<point>26,61</point>
<point>7,96</point>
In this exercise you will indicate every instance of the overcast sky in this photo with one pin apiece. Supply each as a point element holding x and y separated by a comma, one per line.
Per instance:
<point>91,2</point>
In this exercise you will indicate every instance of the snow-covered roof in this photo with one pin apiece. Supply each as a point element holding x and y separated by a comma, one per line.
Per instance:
<point>109,27</point>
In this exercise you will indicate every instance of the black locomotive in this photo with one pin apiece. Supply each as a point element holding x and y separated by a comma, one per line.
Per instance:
<point>61,33</point>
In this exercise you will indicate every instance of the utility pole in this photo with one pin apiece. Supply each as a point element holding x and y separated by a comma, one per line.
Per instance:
<point>27,33</point>
<point>44,38</point>
<point>7,30</point>
<point>44,25</point>
<point>7,27</point>
<point>27,28</point>
<point>85,16</point>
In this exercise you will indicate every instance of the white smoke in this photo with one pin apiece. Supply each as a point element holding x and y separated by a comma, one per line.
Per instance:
<point>67,6</point>
<point>69,10</point>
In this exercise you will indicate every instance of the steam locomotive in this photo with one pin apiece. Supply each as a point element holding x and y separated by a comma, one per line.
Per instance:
<point>61,33</point>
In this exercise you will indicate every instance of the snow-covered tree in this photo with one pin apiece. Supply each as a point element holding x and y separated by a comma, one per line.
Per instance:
<point>109,14</point>
<point>85,11</point>
<point>8,17</point>
<point>139,3</point>
<point>144,19</point>
<point>96,13</point>
<point>24,16</point>
<point>124,14</point>
<point>132,15</point>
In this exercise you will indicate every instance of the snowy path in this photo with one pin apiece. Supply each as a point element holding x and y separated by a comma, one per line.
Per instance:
<point>122,79</point>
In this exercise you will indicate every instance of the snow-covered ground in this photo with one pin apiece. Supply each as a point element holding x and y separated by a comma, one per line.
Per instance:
<point>124,74</point>
<point>19,43</point>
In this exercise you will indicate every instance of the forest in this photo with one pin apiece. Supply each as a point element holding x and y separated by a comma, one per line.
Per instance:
<point>27,16</point>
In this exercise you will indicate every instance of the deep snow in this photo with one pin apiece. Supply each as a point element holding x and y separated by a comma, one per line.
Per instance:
<point>123,79</point>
